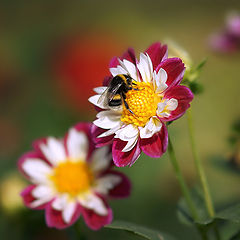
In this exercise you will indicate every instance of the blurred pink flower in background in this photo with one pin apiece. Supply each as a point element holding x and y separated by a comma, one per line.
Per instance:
<point>228,39</point>
<point>70,177</point>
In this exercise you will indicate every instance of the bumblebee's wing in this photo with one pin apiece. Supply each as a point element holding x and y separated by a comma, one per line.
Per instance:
<point>112,93</point>
<point>103,98</point>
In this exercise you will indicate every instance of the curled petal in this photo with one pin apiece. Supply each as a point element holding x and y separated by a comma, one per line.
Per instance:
<point>184,96</point>
<point>174,68</point>
<point>28,198</point>
<point>102,141</point>
<point>128,55</point>
<point>157,144</point>
<point>157,53</point>
<point>123,159</point>
<point>54,217</point>
<point>95,221</point>
<point>122,189</point>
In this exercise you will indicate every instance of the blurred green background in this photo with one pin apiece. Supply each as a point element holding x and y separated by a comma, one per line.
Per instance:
<point>42,43</point>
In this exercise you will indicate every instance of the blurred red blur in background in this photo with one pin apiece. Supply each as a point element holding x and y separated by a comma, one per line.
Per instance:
<point>81,63</point>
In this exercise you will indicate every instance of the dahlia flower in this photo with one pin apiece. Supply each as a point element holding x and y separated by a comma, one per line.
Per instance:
<point>70,177</point>
<point>157,98</point>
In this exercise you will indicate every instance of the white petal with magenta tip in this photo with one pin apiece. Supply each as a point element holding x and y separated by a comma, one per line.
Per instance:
<point>54,150</point>
<point>100,159</point>
<point>68,211</point>
<point>77,145</point>
<point>153,126</point>
<point>106,183</point>
<point>93,202</point>
<point>37,170</point>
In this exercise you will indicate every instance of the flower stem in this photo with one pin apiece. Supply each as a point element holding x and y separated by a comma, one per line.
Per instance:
<point>199,167</point>
<point>181,180</point>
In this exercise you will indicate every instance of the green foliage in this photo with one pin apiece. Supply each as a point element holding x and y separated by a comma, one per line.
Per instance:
<point>139,230</point>
<point>191,78</point>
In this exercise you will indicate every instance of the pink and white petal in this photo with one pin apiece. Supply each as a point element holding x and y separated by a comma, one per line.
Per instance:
<point>145,67</point>
<point>159,80</point>
<point>107,182</point>
<point>96,101</point>
<point>100,142</point>
<point>77,145</point>
<point>24,157</point>
<point>123,188</point>
<point>54,217</point>
<point>99,90</point>
<point>100,159</point>
<point>42,191</point>
<point>184,96</point>
<point>36,146</point>
<point>128,55</point>
<point>85,127</point>
<point>127,132</point>
<point>118,70</point>
<point>153,126</point>
<point>60,202</point>
<point>123,159</point>
<point>93,202</point>
<point>69,211</point>
<point>157,53</point>
<point>37,170</point>
<point>130,68</point>
<point>157,144</point>
<point>174,68</point>
<point>54,150</point>
<point>28,198</point>
<point>107,119</point>
<point>95,221</point>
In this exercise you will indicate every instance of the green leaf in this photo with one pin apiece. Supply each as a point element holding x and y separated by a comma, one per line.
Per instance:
<point>196,87</point>
<point>139,230</point>
<point>231,213</point>
<point>201,65</point>
<point>184,213</point>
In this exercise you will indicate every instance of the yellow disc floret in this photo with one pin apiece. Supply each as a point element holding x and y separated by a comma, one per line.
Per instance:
<point>142,101</point>
<point>72,178</point>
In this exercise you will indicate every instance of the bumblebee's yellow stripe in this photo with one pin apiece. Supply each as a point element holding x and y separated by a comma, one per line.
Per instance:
<point>123,78</point>
<point>116,97</point>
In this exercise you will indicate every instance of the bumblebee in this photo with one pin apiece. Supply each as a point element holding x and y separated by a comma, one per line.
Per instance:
<point>115,94</point>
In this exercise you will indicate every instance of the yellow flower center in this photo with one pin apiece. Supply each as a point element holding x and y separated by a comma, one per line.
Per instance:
<point>72,177</point>
<point>142,102</point>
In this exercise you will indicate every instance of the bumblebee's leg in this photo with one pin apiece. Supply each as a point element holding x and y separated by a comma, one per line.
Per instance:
<point>127,107</point>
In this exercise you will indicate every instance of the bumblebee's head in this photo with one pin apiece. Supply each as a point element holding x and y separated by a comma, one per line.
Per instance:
<point>128,79</point>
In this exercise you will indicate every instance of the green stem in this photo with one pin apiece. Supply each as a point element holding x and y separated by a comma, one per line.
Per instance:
<point>199,167</point>
<point>182,183</point>
<point>78,233</point>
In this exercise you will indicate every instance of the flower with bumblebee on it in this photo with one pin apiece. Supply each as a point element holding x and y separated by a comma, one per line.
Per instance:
<point>155,98</point>
<point>70,177</point>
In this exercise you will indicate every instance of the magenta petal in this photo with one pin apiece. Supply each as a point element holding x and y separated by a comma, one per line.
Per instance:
<point>128,55</point>
<point>123,159</point>
<point>28,198</point>
<point>157,144</point>
<point>175,70</point>
<point>100,142</point>
<point>184,97</point>
<point>54,217</point>
<point>121,190</point>
<point>157,53</point>
<point>95,221</point>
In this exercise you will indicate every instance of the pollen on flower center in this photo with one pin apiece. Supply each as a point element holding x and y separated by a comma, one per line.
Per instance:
<point>142,101</point>
<point>72,177</point>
